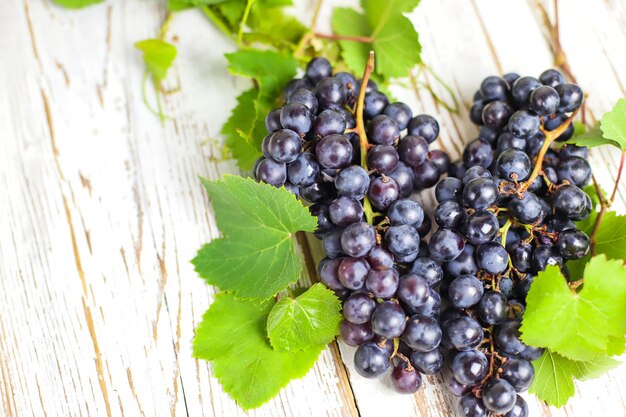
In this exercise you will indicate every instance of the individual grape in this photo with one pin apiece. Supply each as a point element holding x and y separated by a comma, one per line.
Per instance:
<point>456,388</point>
<point>571,97</point>
<point>524,124</point>
<point>330,93</point>
<point>431,307</point>
<point>413,150</point>
<point>388,320</point>
<point>544,100</point>
<point>474,172</point>
<point>358,239</point>
<point>523,286</point>
<point>402,240</point>
<point>492,258</point>
<point>382,192</point>
<point>324,224</point>
<point>425,126</point>
<point>572,244</point>
<point>506,140</point>
<point>494,88</point>
<point>327,271</point>
<point>320,191</point>
<point>521,89</point>
<point>464,264</point>
<point>352,182</point>
<point>374,104</point>
<point>422,333</point>
<point>317,69</point>
<point>284,146</point>
<point>571,202</point>
<point>296,117</point>
<point>331,242</point>
<point>425,227</point>
<point>345,210</point>
<point>334,151</point>
<point>405,211</point>
<point>404,177</point>
<point>507,337</point>
<point>463,333</point>
<point>481,227</point>
<point>303,171</point>
<point>329,122</point>
<point>271,172</point>
<point>449,189</point>
<point>445,245</point>
<point>450,214</point>
<point>272,121</point>
<point>406,379</point>
<point>545,255</point>
<point>470,406</point>
<point>306,97</point>
<point>476,112</point>
<point>573,150</point>
<point>534,144</point>
<point>520,409</point>
<point>520,254</point>
<point>513,164</point>
<point>499,396</point>
<point>429,270</point>
<point>478,152</point>
<point>480,193</point>
<point>358,308</point>
<point>400,113</point>
<point>382,158</point>
<point>527,209</point>
<point>426,175</point>
<point>428,363</point>
<point>349,84</point>
<point>575,170</point>
<point>370,360</point>
<point>465,291</point>
<point>552,78</point>
<point>469,367</point>
<point>510,77</point>
<point>496,113</point>
<point>383,130</point>
<point>519,373</point>
<point>413,290</point>
<point>355,334</point>
<point>440,159</point>
<point>352,273</point>
<point>379,258</point>
<point>382,283</point>
<point>492,308</point>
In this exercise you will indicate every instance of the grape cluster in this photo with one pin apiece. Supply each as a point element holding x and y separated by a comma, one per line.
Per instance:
<point>506,212</point>
<point>358,180</point>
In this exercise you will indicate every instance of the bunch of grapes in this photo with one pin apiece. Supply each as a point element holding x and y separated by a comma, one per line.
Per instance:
<point>505,213</point>
<point>337,145</point>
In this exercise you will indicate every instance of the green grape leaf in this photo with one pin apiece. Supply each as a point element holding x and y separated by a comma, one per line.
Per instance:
<point>242,121</point>
<point>232,336</point>
<point>592,138</point>
<point>311,319</point>
<point>231,11</point>
<point>393,36</point>
<point>158,56</point>
<point>256,257</point>
<point>613,124</point>
<point>178,5</point>
<point>270,25</point>
<point>349,22</point>
<point>76,4</point>
<point>616,345</point>
<point>554,375</point>
<point>611,236</point>
<point>577,324</point>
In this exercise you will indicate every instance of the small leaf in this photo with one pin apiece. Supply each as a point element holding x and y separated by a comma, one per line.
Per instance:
<point>311,319</point>
<point>554,375</point>
<point>256,257</point>
<point>613,124</point>
<point>76,4</point>
<point>553,381</point>
<point>232,335</point>
<point>158,56</point>
<point>611,236</point>
<point>397,46</point>
<point>577,324</point>
<point>592,138</point>
<point>243,118</point>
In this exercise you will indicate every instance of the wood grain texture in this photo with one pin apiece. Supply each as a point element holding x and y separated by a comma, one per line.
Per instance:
<point>103,210</point>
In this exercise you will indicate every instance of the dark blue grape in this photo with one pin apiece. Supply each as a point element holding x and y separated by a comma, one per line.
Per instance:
<point>474,172</point>
<point>510,77</point>
<point>449,189</point>
<point>329,122</point>
<point>492,308</point>
<point>524,124</point>
<point>349,84</point>
<point>317,69</point>
<point>402,240</point>
<point>520,409</point>
<point>413,290</point>
<point>382,192</point>
<point>358,308</point>
<point>425,126</point>
<point>327,271</point>
<point>470,406</point>
<point>352,273</point>
<point>507,337</point>
<point>571,97</point>
<point>303,171</point>
<point>526,210</point>
<point>544,101</point>
<point>379,258</point>
<point>431,307</point>
<point>353,182</point>
<point>496,114</point>
<point>506,140</point>
<point>404,177</point>
<point>469,367</point>
<point>494,88</point>
<point>388,320</point>
<point>297,84</point>
<point>383,130</point>
<point>545,255</point>
<point>405,211</point>
<point>521,89</point>
<point>375,103</point>
<point>320,191</point>
<point>429,270</point>
<point>519,373</point>
<point>450,214</point>
<point>405,379</point>
<point>334,151</point>
<point>572,244</point>
<point>382,283</point>
<point>480,193</point>
<point>422,333</point>
<point>428,363</point>
<point>445,245</point>
<point>370,360</point>
<point>426,175</point>
<point>464,264</point>
<point>330,93</point>
<point>331,242</point>
<point>345,210</point>
<point>358,239</point>
<point>499,396</point>
<point>520,253</point>
<point>465,291</point>
<point>552,78</point>
<point>284,146</point>
<point>513,164</point>
<point>400,113</point>
<point>481,227</point>
<point>413,150</point>
<point>272,121</point>
<point>571,202</point>
<point>492,258</point>
<point>382,158</point>
<point>271,172</point>
<point>478,152</point>
<point>575,170</point>
<point>355,334</point>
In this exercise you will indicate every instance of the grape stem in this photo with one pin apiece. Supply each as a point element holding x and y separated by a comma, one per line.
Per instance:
<point>360,129</point>
<point>504,230</point>
<point>551,136</point>
<point>333,37</point>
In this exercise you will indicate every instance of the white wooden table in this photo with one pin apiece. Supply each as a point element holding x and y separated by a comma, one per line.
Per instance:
<point>101,208</point>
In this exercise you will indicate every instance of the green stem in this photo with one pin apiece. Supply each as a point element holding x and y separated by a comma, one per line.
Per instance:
<point>436,97</point>
<point>360,128</point>
<point>244,19</point>
<point>504,230</point>
<point>217,21</point>
<point>165,26</point>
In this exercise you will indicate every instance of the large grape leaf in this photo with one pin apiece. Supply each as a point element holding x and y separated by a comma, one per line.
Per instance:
<point>613,124</point>
<point>349,22</point>
<point>554,375</point>
<point>232,335</point>
<point>312,318</point>
<point>577,325</point>
<point>256,257</point>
